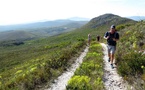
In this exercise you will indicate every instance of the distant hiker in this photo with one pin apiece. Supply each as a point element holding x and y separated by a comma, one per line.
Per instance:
<point>89,39</point>
<point>98,38</point>
<point>112,36</point>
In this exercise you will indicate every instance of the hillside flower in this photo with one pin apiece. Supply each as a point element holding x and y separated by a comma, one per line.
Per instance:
<point>142,67</point>
<point>24,75</point>
<point>19,71</point>
<point>32,69</point>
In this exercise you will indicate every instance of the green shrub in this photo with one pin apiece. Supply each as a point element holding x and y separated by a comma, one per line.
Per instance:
<point>79,83</point>
<point>119,27</point>
<point>130,62</point>
<point>98,84</point>
<point>129,56</point>
<point>91,67</point>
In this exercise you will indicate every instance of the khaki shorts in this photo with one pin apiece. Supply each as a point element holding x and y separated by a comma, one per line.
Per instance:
<point>111,49</point>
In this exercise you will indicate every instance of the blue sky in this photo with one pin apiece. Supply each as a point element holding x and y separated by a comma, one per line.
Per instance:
<point>23,11</point>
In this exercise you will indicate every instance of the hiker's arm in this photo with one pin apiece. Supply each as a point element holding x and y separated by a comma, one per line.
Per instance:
<point>116,38</point>
<point>106,36</point>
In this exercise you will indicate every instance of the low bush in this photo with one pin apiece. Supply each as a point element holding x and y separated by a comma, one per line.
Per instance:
<point>79,83</point>
<point>91,68</point>
<point>130,55</point>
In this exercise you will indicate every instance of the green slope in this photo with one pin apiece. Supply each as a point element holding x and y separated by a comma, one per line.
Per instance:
<point>130,54</point>
<point>42,60</point>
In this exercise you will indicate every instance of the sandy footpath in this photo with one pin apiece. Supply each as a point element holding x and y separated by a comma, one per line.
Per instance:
<point>61,81</point>
<point>112,80</point>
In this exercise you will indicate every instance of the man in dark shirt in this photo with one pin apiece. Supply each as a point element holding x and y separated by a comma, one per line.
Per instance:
<point>112,36</point>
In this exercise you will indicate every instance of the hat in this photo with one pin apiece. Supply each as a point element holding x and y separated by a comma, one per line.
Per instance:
<point>112,26</point>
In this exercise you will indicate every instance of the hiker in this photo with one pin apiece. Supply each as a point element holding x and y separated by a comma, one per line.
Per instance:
<point>89,39</point>
<point>112,36</point>
<point>98,38</point>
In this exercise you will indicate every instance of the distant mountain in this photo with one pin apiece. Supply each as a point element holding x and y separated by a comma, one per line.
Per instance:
<point>50,31</point>
<point>55,23</point>
<point>107,20</point>
<point>137,18</point>
<point>79,19</point>
<point>37,30</point>
<point>50,28</point>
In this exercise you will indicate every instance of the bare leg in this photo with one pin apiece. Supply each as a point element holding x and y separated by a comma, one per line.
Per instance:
<point>109,55</point>
<point>112,58</point>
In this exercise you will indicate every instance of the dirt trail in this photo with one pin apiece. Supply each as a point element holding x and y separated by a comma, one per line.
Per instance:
<point>61,82</point>
<point>112,80</point>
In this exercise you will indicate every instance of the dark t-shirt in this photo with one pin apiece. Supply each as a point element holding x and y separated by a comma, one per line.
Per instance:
<point>110,40</point>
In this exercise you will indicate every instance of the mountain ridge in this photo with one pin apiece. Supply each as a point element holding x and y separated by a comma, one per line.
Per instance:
<point>38,29</point>
<point>107,19</point>
<point>104,20</point>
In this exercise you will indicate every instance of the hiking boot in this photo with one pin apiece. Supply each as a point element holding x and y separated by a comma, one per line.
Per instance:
<point>109,60</point>
<point>112,66</point>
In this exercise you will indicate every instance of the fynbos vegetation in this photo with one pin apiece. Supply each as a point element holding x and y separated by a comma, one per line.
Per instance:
<point>89,75</point>
<point>25,65</point>
<point>131,54</point>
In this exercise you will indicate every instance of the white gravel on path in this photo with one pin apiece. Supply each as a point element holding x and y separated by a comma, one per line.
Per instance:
<point>61,82</point>
<point>112,80</point>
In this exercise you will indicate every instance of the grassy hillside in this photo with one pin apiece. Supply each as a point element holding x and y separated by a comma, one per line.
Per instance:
<point>131,54</point>
<point>37,61</point>
<point>16,35</point>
